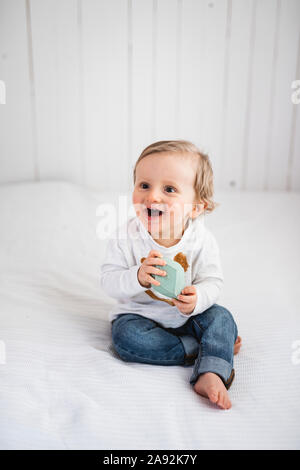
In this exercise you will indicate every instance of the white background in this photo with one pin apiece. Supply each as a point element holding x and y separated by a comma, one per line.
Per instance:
<point>90,83</point>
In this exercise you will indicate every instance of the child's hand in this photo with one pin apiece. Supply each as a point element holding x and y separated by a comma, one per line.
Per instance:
<point>186,300</point>
<point>147,268</point>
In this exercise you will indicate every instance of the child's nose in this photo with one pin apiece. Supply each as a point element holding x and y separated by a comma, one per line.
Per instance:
<point>154,197</point>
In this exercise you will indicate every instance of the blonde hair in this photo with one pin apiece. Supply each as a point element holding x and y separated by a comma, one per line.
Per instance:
<point>203,185</point>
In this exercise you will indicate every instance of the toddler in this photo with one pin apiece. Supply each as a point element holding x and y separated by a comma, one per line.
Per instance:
<point>173,189</point>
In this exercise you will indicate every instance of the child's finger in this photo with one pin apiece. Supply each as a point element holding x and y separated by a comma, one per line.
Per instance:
<point>186,298</point>
<point>152,280</point>
<point>153,261</point>
<point>179,302</point>
<point>181,306</point>
<point>189,290</point>
<point>154,253</point>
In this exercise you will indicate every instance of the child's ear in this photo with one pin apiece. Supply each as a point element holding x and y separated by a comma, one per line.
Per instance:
<point>198,209</point>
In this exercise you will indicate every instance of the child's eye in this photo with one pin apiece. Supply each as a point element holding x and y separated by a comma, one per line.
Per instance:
<point>171,188</point>
<point>145,185</point>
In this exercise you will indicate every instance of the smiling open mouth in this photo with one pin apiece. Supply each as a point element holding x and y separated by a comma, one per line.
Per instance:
<point>153,213</point>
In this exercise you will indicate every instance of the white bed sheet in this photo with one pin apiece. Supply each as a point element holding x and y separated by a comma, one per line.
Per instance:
<point>62,386</point>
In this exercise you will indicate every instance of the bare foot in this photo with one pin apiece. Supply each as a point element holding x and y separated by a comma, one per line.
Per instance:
<point>210,385</point>
<point>237,345</point>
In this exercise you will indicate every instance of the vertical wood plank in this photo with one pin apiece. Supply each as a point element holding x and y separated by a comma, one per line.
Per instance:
<point>293,176</point>
<point>260,94</point>
<point>55,59</point>
<point>16,136</point>
<point>192,67</point>
<point>105,64</point>
<point>166,112</point>
<point>142,77</point>
<point>280,134</point>
<point>295,150</point>
<point>233,128</point>
<point>202,70</point>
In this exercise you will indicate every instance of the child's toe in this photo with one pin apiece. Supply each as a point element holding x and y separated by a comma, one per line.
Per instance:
<point>221,401</point>
<point>213,395</point>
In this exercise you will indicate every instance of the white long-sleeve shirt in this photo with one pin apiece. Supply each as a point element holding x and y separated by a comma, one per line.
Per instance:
<point>131,242</point>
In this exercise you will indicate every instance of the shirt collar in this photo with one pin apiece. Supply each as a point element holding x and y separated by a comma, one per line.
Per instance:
<point>187,236</point>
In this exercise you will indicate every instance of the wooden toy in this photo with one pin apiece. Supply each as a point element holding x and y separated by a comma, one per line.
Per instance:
<point>172,284</point>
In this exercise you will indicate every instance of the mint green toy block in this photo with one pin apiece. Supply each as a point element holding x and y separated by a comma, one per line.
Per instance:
<point>172,284</point>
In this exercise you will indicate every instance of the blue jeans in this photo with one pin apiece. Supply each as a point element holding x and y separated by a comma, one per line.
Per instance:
<point>205,340</point>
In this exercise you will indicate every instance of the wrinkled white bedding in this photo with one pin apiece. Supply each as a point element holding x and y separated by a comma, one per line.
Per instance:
<point>62,386</point>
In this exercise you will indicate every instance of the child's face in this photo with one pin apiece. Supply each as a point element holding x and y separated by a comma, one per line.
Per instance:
<point>165,182</point>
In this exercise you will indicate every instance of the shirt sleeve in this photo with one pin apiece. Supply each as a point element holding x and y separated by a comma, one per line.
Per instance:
<point>117,279</point>
<point>209,276</point>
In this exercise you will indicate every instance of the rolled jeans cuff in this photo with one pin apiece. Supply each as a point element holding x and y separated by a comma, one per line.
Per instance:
<point>211,364</point>
<point>190,345</point>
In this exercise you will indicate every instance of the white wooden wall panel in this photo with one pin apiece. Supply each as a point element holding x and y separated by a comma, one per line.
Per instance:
<point>16,133</point>
<point>90,83</point>
<point>166,73</point>
<point>191,71</point>
<point>295,169</point>
<point>260,95</point>
<point>201,71</point>
<point>236,93</point>
<point>95,57</point>
<point>105,91</point>
<point>56,81</point>
<point>286,64</point>
<point>293,182</point>
<point>142,76</point>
